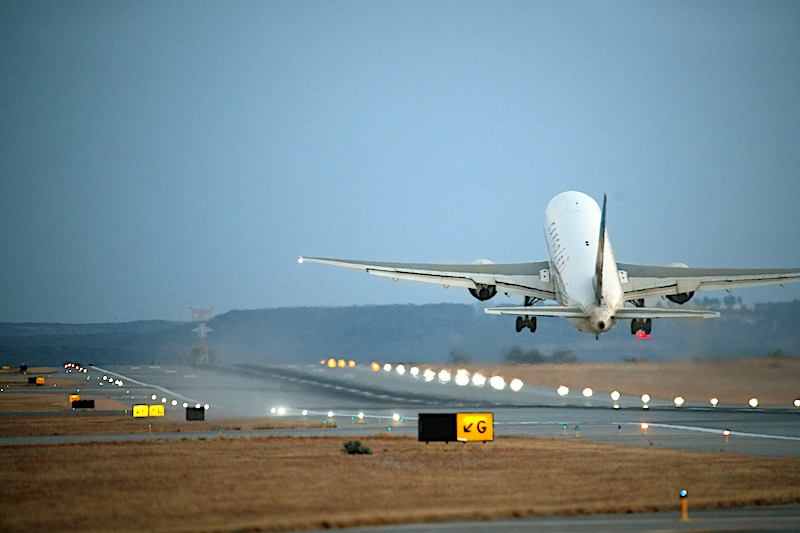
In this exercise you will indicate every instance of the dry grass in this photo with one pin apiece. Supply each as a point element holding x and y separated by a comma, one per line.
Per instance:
<point>302,483</point>
<point>36,370</point>
<point>733,382</point>
<point>32,402</point>
<point>63,421</point>
<point>91,424</point>
<point>43,400</point>
<point>14,380</point>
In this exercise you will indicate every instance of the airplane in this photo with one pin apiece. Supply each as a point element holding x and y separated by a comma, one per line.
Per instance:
<point>582,275</point>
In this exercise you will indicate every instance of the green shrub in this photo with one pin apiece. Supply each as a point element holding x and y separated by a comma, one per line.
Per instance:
<point>355,447</point>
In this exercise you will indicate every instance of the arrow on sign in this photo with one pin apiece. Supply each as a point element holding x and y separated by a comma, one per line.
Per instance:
<point>481,427</point>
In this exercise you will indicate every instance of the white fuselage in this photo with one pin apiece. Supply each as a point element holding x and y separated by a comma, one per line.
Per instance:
<point>572,233</point>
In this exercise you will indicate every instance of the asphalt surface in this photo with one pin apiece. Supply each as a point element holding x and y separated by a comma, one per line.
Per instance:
<point>252,391</point>
<point>784,518</point>
<point>537,411</point>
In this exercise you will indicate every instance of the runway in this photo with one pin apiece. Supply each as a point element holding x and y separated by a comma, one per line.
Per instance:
<point>778,519</point>
<point>534,411</point>
<point>254,391</point>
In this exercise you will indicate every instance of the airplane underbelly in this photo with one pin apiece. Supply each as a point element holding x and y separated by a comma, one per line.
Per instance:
<point>588,325</point>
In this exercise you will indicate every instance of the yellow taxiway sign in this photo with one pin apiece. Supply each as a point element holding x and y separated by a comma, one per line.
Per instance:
<point>475,427</point>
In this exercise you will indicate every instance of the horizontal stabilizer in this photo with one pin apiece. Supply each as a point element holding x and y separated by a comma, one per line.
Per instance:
<point>625,312</point>
<point>656,312</point>
<point>539,310</point>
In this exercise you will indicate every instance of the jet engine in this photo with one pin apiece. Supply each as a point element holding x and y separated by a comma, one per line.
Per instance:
<point>483,291</point>
<point>682,297</point>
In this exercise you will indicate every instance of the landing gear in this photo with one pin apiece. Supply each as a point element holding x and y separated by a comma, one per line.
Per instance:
<point>528,322</point>
<point>643,324</point>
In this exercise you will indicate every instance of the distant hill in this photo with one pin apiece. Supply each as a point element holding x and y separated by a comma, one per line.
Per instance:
<point>420,333</point>
<point>112,343</point>
<point>141,326</point>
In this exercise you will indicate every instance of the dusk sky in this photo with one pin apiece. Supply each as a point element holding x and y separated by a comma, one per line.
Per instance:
<point>161,155</point>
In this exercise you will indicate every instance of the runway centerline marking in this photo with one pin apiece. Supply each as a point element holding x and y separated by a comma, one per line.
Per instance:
<point>143,384</point>
<point>716,431</point>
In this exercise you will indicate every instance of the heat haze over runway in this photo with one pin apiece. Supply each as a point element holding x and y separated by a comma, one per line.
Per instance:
<point>285,392</point>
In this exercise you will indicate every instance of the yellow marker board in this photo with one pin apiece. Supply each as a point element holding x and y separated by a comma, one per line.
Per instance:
<point>40,381</point>
<point>6,367</point>
<point>74,398</point>
<point>474,427</point>
<point>141,411</point>
<point>156,410</point>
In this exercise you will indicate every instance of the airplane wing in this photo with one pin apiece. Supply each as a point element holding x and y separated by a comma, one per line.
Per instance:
<point>512,278</point>
<point>538,310</point>
<point>641,281</point>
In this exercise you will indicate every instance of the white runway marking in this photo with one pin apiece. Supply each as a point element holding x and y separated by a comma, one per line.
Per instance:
<point>162,389</point>
<point>527,423</point>
<point>717,431</point>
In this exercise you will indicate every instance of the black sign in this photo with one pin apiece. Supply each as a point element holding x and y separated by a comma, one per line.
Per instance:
<point>437,427</point>
<point>195,413</point>
<point>83,404</point>
<point>23,368</point>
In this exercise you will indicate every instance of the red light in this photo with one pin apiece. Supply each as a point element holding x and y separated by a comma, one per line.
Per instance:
<point>642,335</point>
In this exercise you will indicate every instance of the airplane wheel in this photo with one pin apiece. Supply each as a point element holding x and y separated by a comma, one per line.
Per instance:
<point>648,325</point>
<point>532,324</point>
<point>635,326</point>
<point>520,324</point>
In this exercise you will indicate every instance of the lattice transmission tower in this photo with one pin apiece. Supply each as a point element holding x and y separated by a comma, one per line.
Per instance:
<point>201,355</point>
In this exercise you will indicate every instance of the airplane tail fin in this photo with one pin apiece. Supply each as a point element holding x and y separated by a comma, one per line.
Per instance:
<point>598,272</point>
